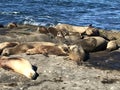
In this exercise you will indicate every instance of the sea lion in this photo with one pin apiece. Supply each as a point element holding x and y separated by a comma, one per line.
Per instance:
<point>101,43</point>
<point>12,25</point>
<point>18,65</point>
<point>7,44</point>
<point>91,31</point>
<point>47,49</point>
<point>92,44</point>
<point>73,36</point>
<point>42,29</point>
<point>76,53</point>
<point>21,48</point>
<point>71,28</point>
<point>35,48</point>
<point>53,31</point>
<point>112,45</point>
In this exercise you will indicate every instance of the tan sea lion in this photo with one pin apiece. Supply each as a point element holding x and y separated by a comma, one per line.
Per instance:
<point>7,44</point>
<point>91,31</point>
<point>93,43</point>
<point>18,65</point>
<point>112,45</point>
<point>71,28</point>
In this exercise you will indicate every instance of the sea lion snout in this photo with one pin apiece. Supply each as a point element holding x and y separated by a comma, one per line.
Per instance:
<point>34,76</point>
<point>5,52</point>
<point>31,74</point>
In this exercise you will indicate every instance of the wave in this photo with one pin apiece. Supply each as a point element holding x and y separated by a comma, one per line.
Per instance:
<point>10,13</point>
<point>31,21</point>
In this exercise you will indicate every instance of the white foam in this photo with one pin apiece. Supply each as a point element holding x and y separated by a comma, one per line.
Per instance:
<point>10,13</point>
<point>31,21</point>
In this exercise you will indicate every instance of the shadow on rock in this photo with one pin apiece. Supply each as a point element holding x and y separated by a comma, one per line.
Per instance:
<point>104,60</point>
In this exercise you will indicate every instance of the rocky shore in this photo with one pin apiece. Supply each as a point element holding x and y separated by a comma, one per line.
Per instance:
<point>99,72</point>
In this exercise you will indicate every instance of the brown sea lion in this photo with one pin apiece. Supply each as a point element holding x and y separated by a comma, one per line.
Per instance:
<point>47,49</point>
<point>12,25</point>
<point>35,48</point>
<point>76,53</point>
<point>42,29</point>
<point>21,48</point>
<point>48,31</point>
<point>18,65</point>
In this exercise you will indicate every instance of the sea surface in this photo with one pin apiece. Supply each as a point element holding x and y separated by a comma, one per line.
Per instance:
<point>103,14</point>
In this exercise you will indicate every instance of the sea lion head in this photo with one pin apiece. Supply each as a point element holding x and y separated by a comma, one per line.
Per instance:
<point>5,52</point>
<point>76,53</point>
<point>12,25</point>
<point>92,31</point>
<point>52,30</point>
<point>7,44</point>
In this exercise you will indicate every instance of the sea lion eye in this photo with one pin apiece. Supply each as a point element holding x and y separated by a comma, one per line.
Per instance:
<point>65,49</point>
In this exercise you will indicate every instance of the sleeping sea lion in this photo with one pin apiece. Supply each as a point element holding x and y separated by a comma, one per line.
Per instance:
<point>7,44</point>
<point>92,44</point>
<point>35,48</point>
<point>112,45</point>
<point>47,49</point>
<point>71,28</point>
<point>19,65</point>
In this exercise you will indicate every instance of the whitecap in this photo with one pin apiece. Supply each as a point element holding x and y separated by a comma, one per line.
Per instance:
<point>10,13</point>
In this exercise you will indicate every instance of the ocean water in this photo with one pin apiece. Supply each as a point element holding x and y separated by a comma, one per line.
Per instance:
<point>103,14</point>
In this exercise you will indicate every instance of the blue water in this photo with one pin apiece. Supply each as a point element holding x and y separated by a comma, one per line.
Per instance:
<point>103,14</point>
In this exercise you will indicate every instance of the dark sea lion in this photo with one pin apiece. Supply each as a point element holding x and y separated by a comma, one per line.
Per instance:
<point>52,30</point>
